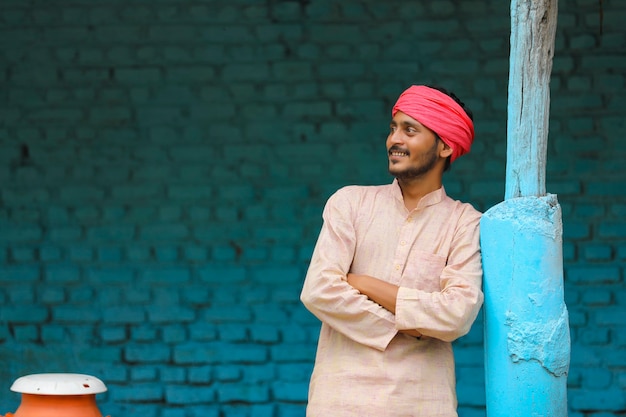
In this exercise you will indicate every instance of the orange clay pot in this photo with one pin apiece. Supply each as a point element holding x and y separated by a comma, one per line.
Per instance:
<point>58,406</point>
<point>57,395</point>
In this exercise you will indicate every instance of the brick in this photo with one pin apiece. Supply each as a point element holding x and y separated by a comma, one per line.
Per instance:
<point>290,391</point>
<point>605,188</point>
<point>75,314</point>
<point>589,210</point>
<point>189,395</point>
<point>61,274</point>
<point>201,375</point>
<point>170,275</point>
<point>217,274</point>
<point>173,412</point>
<point>25,333</point>
<point>109,297</point>
<point>146,353</point>
<point>611,316</point>
<point>21,295</point>
<point>166,254</point>
<point>592,274</point>
<point>49,253</point>
<point>611,230</point>
<point>236,192</point>
<point>172,314</point>
<point>190,192</point>
<point>275,275</point>
<point>138,76</point>
<point>153,114</point>
<point>258,373</point>
<point>575,230</point>
<point>597,378</point>
<point>188,354</point>
<point>270,313</point>
<point>189,74</point>
<point>290,410</point>
<point>202,332</point>
<point>232,333</point>
<point>22,255</point>
<point>593,336</point>
<point>122,315</point>
<point>204,411</point>
<point>139,392</point>
<point>109,254</point>
<point>255,254</point>
<point>293,334</point>
<point>111,233</point>
<point>195,294</point>
<point>597,297</point>
<point>160,232</point>
<point>171,374</point>
<point>584,356</point>
<point>113,334</point>
<point>611,399</point>
<point>65,233</point>
<point>295,372</point>
<point>314,109</point>
<point>143,373</point>
<point>20,233</point>
<point>244,72</point>
<point>23,314</point>
<point>173,334</point>
<point>143,333</point>
<point>227,353</point>
<point>570,187</point>
<point>135,192</point>
<point>226,314</point>
<point>293,352</point>
<point>51,295</point>
<point>81,194</point>
<point>264,334</point>
<point>227,373</point>
<point>242,393</point>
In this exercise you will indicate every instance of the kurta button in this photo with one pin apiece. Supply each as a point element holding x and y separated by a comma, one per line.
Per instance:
<point>403,243</point>
<point>397,267</point>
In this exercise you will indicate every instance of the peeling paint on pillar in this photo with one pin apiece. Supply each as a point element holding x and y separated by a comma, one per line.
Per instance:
<point>527,343</point>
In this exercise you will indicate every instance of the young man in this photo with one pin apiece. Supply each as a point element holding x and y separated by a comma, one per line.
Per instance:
<point>396,274</point>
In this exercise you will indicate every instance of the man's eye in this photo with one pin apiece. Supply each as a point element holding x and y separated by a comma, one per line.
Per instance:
<point>411,130</point>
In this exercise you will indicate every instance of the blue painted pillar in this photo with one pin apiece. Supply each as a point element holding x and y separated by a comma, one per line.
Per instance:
<point>527,343</point>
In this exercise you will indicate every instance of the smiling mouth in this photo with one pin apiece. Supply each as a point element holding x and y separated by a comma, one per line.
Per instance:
<point>397,152</point>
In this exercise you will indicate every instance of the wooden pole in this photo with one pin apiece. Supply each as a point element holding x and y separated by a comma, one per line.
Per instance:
<point>527,342</point>
<point>533,27</point>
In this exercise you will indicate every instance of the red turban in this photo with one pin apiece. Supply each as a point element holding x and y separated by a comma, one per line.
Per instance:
<point>441,114</point>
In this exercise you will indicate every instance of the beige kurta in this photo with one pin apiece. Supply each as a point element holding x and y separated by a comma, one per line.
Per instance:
<point>364,367</point>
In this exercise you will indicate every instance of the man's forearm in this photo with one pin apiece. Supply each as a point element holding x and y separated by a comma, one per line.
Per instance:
<point>376,290</point>
<point>380,292</point>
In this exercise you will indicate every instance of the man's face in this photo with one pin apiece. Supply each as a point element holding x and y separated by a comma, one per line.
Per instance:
<point>412,148</point>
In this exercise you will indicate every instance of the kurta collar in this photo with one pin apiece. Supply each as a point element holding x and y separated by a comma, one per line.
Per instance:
<point>430,199</point>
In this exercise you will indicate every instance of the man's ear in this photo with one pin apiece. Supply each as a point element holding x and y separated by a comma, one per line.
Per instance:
<point>445,151</point>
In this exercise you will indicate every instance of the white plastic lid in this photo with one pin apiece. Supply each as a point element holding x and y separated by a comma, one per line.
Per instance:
<point>58,384</point>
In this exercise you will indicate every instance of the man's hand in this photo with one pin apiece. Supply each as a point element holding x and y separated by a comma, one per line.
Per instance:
<point>380,292</point>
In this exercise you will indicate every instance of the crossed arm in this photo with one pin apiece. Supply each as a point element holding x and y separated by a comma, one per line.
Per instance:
<point>380,292</point>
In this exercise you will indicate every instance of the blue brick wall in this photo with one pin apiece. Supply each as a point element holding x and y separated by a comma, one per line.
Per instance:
<point>163,167</point>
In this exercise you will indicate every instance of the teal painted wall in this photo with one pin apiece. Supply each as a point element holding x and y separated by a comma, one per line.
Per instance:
<point>163,167</point>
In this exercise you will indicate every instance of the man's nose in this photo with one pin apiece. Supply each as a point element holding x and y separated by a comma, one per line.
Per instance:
<point>395,138</point>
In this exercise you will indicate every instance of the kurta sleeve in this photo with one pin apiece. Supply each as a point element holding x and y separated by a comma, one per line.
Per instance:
<point>326,292</point>
<point>448,314</point>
